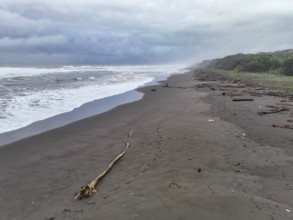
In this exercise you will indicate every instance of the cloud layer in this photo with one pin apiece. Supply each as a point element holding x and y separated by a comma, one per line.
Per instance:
<point>134,32</point>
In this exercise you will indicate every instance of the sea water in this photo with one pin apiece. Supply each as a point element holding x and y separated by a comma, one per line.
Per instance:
<point>32,94</point>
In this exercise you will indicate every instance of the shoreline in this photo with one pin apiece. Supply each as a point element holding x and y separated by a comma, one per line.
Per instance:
<point>189,158</point>
<point>86,110</point>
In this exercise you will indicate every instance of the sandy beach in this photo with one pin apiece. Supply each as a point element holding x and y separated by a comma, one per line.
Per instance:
<point>195,154</point>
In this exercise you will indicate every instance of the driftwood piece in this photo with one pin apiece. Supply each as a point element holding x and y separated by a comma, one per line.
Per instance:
<point>242,100</point>
<point>283,126</point>
<point>273,111</point>
<point>90,189</point>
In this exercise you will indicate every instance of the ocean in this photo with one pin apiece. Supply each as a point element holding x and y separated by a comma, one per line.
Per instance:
<point>32,94</point>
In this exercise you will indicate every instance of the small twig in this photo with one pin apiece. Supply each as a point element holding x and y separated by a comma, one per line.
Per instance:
<point>211,188</point>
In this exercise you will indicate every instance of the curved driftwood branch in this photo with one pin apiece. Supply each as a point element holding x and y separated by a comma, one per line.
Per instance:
<point>90,189</point>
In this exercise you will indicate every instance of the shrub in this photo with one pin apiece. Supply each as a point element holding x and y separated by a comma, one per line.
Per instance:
<point>287,67</point>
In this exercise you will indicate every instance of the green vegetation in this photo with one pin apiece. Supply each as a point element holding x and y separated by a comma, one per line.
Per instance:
<point>268,70</point>
<point>278,62</point>
<point>288,67</point>
<point>265,80</point>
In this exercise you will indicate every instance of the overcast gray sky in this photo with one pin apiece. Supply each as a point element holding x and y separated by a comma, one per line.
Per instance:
<point>140,31</point>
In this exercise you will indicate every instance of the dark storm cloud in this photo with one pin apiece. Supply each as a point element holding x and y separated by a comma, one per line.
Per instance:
<point>133,31</point>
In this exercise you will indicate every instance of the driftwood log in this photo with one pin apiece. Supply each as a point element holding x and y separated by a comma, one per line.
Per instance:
<point>273,111</point>
<point>242,100</point>
<point>90,189</point>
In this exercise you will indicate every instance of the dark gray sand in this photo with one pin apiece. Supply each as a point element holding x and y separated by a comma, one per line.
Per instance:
<point>194,154</point>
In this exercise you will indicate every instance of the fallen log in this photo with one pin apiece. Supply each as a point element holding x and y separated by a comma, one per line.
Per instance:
<point>242,100</point>
<point>90,189</point>
<point>273,111</point>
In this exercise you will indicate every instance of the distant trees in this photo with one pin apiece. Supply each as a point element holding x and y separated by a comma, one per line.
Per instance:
<point>226,63</point>
<point>259,63</point>
<point>279,61</point>
<point>287,67</point>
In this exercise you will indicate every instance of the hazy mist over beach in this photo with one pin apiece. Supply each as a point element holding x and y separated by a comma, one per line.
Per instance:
<point>155,109</point>
<point>56,56</point>
<point>139,32</point>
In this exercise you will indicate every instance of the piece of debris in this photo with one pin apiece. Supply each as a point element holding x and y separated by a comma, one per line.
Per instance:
<point>173,184</point>
<point>283,126</point>
<point>223,93</point>
<point>212,189</point>
<point>199,170</point>
<point>288,210</point>
<point>153,90</point>
<point>290,120</point>
<point>166,85</point>
<point>211,120</point>
<point>242,100</point>
<point>67,210</point>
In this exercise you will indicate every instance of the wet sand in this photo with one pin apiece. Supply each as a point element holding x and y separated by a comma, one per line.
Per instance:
<point>194,154</point>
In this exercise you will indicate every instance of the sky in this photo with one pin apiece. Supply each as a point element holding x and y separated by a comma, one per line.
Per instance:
<point>140,31</point>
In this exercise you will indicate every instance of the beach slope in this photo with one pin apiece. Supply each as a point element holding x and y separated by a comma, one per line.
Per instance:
<point>194,154</point>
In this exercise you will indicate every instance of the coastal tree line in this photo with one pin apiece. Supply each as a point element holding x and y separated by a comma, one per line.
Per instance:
<point>280,62</point>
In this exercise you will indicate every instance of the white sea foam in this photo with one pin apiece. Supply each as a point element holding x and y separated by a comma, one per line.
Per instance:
<point>25,101</point>
<point>6,72</point>
<point>24,110</point>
